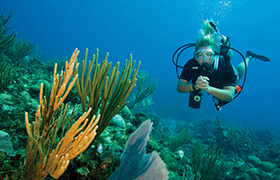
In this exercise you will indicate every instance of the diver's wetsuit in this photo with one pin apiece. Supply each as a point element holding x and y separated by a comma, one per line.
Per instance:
<point>225,75</point>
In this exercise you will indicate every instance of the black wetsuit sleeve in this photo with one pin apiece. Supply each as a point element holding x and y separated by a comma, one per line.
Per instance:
<point>188,73</point>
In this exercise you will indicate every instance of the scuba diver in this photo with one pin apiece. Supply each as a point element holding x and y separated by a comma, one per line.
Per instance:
<point>210,69</point>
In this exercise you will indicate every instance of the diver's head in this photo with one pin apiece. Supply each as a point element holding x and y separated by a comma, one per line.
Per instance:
<point>206,43</point>
<point>206,36</point>
<point>205,54</point>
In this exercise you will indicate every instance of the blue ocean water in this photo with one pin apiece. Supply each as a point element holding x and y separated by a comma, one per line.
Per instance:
<point>152,31</point>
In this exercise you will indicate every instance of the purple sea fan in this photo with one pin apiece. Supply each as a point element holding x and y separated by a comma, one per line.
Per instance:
<point>135,163</point>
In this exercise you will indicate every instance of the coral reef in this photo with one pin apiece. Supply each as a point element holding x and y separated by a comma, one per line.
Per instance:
<point>53,134</point>
<point>207,149</point>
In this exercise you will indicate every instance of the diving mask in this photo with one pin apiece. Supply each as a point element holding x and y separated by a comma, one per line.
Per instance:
<point>204,54</point>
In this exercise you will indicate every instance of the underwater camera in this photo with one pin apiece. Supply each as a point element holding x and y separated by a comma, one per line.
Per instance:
<point>195,99</point>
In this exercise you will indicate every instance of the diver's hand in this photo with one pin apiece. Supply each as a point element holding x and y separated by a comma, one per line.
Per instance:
<point>202,82</point>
